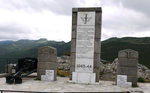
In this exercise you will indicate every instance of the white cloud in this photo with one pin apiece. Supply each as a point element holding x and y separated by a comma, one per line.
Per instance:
<point>51,19</point>
<point>39,24</point>
<point>119,21</point>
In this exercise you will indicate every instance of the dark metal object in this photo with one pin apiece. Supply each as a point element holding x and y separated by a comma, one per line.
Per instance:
<point>25,67</point>
<point>9,79</point>
<point>18,80</point>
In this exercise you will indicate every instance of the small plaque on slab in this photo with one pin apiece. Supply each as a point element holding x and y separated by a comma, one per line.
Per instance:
<point>49,76</point>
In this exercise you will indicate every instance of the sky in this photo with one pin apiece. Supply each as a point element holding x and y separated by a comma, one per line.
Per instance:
<point>52,19</point>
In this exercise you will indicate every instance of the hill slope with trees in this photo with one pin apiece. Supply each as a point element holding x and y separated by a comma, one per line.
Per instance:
<point>109,49</point>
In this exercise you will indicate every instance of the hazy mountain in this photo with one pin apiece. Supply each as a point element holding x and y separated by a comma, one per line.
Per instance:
<point>109,50</point>
<point>29,48</point>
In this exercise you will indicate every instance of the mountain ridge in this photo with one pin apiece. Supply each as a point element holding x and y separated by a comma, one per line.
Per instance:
<point>109,48</point>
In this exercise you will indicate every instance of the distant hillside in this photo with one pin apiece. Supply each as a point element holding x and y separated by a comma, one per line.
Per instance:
<point>29,48</point>
<point>109,50</point>
<point>111,47</point>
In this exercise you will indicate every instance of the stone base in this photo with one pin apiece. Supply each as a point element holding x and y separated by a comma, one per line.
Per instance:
<point>84,78</point>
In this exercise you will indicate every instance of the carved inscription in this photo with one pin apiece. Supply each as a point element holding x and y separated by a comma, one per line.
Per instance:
<point>85,41</point>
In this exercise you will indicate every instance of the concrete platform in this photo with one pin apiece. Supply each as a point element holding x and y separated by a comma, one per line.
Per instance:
<point>62,85</point>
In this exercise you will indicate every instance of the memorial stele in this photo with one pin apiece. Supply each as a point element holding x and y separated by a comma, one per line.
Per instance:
<point>86,45</point>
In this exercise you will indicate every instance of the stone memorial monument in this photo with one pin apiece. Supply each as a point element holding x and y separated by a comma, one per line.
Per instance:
<point>85,45</point>
<point>47,65</point>
<point>127,68</point>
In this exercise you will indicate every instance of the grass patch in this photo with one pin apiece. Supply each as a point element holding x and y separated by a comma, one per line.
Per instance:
<point>63,73</point>
<point>147,81</point>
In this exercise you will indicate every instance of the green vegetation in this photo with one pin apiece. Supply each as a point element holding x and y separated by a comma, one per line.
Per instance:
<point>109,49</point>
<point>140,79</point>
<point>29,48</point>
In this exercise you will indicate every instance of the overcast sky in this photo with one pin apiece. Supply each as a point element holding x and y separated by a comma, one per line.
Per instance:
<point>51,19</point>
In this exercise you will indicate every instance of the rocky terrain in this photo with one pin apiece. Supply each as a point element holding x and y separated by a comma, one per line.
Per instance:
<point>107,69</point>
<point>64,63</point>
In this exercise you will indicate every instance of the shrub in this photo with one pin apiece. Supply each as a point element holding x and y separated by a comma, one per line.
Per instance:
<point>141,79</point>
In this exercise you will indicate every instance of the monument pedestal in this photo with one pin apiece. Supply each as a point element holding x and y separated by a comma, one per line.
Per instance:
<point>85,78</point>
<point>85,45</point>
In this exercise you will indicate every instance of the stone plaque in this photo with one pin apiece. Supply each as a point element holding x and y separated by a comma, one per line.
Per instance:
<point>49,76</point>
<point>122,81</point>
<point>85,45</point>
<point>85,42</point>
<point>47,57</point>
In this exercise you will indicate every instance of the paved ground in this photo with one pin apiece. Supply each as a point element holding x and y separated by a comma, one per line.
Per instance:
<point>62,85</point>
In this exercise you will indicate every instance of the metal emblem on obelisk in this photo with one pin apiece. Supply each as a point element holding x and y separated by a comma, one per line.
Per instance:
<point>86,18</point>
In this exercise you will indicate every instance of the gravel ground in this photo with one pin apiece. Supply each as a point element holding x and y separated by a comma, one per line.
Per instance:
<point>63,85</point>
